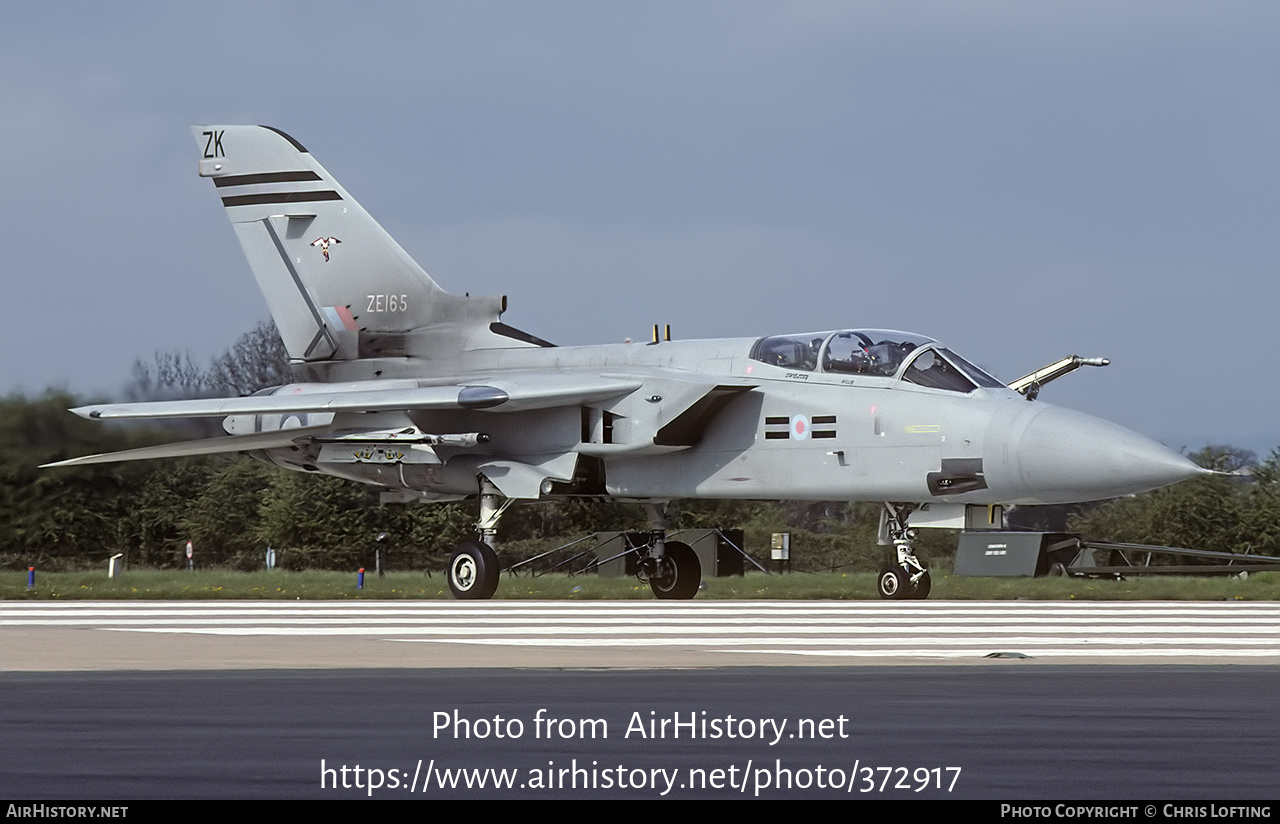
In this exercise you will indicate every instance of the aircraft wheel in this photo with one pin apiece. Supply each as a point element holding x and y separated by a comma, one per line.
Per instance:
<point>473,571</point>
<point>682,572</point>
<point>894,583</point>
<point>922,587</point>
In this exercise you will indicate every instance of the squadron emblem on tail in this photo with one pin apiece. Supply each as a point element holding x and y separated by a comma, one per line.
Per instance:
<point>324,243</point>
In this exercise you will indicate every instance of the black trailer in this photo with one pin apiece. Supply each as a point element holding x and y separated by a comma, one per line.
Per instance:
<point>1004,554</point>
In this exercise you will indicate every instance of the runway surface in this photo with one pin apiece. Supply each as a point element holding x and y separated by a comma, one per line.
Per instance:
<point>121,700</point>
<point>273,634</point>
<point>1006,731</point>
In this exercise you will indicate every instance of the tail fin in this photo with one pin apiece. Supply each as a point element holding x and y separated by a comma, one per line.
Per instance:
<point>335,281</point>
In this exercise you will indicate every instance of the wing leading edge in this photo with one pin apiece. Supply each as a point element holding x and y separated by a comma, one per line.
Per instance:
<point>204,446</point>
<point>541,392</point>
<point>532,392</point>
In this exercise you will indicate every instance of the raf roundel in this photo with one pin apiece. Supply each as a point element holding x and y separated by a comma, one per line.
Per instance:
<point>799,428</point>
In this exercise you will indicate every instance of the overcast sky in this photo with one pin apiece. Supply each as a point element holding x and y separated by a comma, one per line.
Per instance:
<point>1021,180</point>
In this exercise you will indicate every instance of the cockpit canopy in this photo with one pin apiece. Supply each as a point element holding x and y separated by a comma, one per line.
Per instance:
<point>875,353</point>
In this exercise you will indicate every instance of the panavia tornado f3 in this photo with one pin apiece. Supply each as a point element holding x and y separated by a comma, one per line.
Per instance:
<point>432,397</point>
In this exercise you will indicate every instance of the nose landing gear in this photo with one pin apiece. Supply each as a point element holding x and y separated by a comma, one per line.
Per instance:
<point>906,578</point>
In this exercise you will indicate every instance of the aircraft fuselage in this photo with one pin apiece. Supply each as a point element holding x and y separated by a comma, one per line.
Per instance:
<point>786,434</point>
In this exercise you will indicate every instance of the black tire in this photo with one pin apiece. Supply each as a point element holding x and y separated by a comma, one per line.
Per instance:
<point>923,586</point>
<point>473,571</point>
<point>684,574</point>
<point>894,584</point>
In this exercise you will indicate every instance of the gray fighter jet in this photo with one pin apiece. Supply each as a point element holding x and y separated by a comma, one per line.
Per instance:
<point>432,397</point>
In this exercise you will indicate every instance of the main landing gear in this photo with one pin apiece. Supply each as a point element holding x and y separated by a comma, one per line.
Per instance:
<point>473,567</point>
<point>677,574</point>
<point>473,571</point>
<point>671,568</point>
<point>906,578</point>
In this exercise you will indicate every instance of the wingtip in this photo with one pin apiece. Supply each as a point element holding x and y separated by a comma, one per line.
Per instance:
<point>67,462</point>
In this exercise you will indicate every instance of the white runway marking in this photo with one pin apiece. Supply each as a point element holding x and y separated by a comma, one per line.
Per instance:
<point>929,630</point>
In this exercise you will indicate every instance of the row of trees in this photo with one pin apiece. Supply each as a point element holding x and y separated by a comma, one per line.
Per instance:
<point>232,509</point>
<point>1236,512</point>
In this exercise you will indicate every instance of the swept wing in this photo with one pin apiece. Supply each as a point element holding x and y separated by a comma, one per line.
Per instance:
<point>533,392</point>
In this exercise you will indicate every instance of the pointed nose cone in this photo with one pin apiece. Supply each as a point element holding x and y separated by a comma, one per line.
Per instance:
<point>1061,456</point>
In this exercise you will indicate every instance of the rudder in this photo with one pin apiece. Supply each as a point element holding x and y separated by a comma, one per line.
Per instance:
<point>328,271</point>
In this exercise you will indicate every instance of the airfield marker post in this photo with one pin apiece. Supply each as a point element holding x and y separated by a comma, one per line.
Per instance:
<point>360,579</point>
<point>31,577</point>
<point>780,551</point>
<point>380,554</point>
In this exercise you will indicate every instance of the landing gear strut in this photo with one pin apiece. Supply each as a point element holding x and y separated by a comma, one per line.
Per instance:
<point>671,568</point>
<point>906,577</point>
<point>473,567</point>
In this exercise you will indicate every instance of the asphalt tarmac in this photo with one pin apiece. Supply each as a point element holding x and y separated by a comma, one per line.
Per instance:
<point>235,702</point>
<point>1009,731</point>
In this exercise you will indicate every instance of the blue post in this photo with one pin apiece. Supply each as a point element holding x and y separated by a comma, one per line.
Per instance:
<point>360,579</point>
<point>31,577</point>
